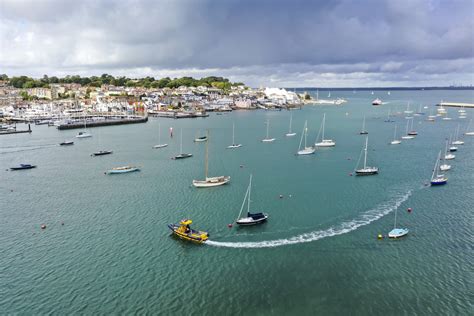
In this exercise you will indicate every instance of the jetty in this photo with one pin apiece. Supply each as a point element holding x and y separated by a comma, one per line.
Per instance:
<point>178,114</point>
<point>105,122</point>
<point>15,131</point>
<point>456,105</point>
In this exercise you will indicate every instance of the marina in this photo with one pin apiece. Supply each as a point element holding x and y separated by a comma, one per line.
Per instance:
<point>315,210</point>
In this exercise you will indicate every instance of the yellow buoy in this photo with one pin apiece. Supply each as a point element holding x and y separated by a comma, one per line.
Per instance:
<point>379,236</point>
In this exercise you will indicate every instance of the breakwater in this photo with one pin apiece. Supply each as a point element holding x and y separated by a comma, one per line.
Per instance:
<point>106,122</point>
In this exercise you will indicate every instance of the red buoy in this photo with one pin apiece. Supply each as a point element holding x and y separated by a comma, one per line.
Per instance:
<point>409,209</point>
<point>350,174</point>
<point>229,225</point>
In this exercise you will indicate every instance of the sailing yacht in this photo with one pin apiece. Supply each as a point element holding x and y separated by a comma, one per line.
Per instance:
<point>306,150</point>
<point>363,131</point>
<point>408,136</point>
<point>395,141</point>
<point>445,166</point>
<point>436,178</point>
<point>412,132</point>
<point>160,145</point>
<point>251,218</point>
<point>181,155</point>
<point>408,111</point>
<point>448,155</point>
<point>267,139</point>
<point>290,133</point>
<point>457,141</point>
<point>210,181</point>
<point>431,117</point>
<point>366,171</point>
<point>468,132</point>
<point>101,152</point>
<point>84,134</point>
<point>397,232</point>
<point>324,142</point>
<point>234,145</point>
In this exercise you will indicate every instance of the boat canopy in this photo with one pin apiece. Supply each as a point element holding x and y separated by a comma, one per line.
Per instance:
<point>186,222</point>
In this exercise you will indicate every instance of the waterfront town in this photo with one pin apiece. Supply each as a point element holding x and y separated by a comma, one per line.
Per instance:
<point>66,102</point>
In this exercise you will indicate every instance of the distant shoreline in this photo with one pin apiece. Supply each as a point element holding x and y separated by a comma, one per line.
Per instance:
<point>383,89</point>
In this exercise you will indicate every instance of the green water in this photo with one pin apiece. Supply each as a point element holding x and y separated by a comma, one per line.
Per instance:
<point>107,249</point>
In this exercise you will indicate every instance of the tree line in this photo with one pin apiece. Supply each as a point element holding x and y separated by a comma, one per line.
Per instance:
<point>24,82</point>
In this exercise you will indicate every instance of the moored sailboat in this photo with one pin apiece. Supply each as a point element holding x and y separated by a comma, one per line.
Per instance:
<point>210,181</point>
<point>436,178</point>
<point>181,155</point>
<point>305,150</point>
<point>324,142</point>
<point>159,145</point>
<point>395,141</point>
<point>397,232</point>
<point>290,132</point>
<point>234,145</point>
<point>366,170</point>
<point>251,218</point>
<point>267,139</point>
<point>363,130</point>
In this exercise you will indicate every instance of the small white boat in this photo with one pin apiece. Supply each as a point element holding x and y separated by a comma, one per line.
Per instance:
<point>395,141</point>
<point>290,132</point>
<point>305,150</point>
<point>377,102</point>
<point>267,139</point>
<point>84,134</point>
<point>160,145</point>
<point>124,169</point>
<point>366,170</point>
<point>397,232</point>
<point>324,142</point>
<point>251,218</point>
<point>210,181</point>
<point>457,141</point>
<point>234,145</point>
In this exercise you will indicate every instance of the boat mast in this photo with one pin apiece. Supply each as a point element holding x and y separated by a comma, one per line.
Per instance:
<point>324,120</point>
<point>207,155</point>
<point>291,118</point>
<point>365,154</point>
<point>268,126</point>
<point>305,133</point>
<point>363,124</point>
<point>159,133</point>
<point>395,133</point>
<point>301,139</point>
<point>181,142</point>
<point>250,188</point>
<point>395,223</point>
<point>233,133</point>
<point>435,170</point>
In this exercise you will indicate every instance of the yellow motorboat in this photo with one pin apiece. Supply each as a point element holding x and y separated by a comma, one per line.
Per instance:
<point>184,231</point>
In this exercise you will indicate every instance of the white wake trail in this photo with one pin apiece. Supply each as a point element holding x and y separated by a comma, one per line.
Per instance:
<point>343,228</point>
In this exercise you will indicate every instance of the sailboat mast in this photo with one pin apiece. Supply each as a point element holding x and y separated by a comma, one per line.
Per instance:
<point>305,134</point>
<point>207,155</point>
<point>324,121</point>
<point>291,118</point>
<point>365,154</point>
<point>395,223</point>
<point>363,124</point>
<point>233,133</point>
<point>268,126</point>
<point>181,142</point>
<point>250,189</point>
<point>435,170</point>
<point>395,133</point>
<point>159,133</point>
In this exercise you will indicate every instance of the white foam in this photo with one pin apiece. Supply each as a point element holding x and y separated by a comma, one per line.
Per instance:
<point>340,229</point>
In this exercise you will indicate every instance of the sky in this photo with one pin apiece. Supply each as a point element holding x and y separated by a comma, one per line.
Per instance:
<point>276,43</point>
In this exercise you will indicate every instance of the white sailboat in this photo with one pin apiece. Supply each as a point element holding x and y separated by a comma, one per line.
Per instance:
<point>160,145</point>
<point>181,155</point>
<point>445,166</point>
<point>431,117</point>
<point>234,145</point>
<point>457,140</point>
<point>407,136</point>
<point>363,131</point>
<point>412,132</point>
<point>408,111</point>
<point>84,134</point>
<point>251,218</point>
<point>210,181</point>
<point>395,141</point>
<point>468,131</point>
<point>305,150</point>
<point>290,132</point>
<point>324,142</point>
<point>436,178</point>
<point>448,155</point>
<point>397,232</point>
<point>366,171</point>
<point>267,139</point>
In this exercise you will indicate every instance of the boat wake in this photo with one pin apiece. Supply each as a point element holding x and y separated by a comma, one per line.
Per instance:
<point>345,227</point>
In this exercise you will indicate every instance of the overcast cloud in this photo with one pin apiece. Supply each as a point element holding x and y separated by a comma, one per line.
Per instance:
<point>274,43</point>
